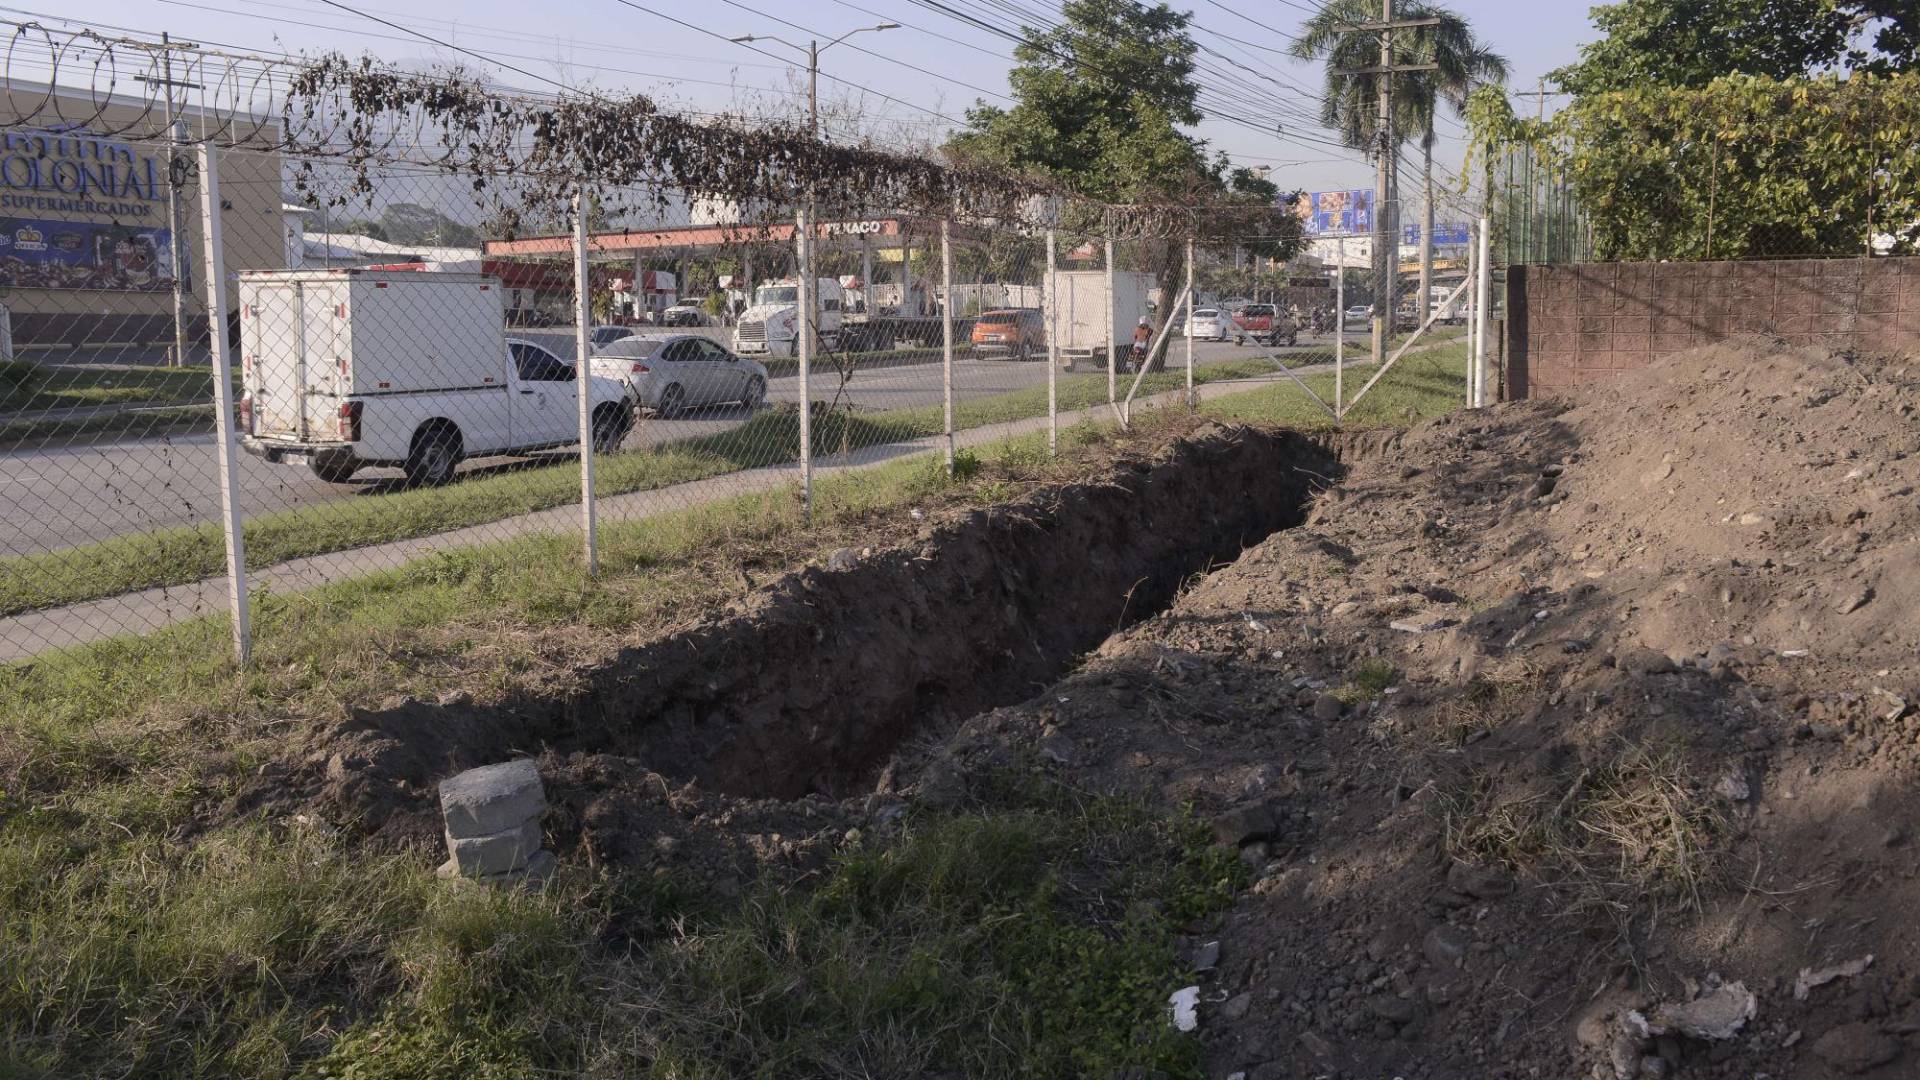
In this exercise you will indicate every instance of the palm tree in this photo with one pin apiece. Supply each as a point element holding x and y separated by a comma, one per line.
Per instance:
<point>1349,104</point>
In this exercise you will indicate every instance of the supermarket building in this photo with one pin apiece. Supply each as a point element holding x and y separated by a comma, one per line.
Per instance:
<point>86,237</point>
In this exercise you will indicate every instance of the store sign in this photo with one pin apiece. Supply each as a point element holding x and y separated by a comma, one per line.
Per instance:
<point>42,254</point>
<point>853,228</point>
<point>72,172</point>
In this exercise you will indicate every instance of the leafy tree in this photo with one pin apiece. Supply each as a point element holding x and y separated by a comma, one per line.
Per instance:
<point>1693,42</point>
<point>1745,166</point>
<point>1350,104</point>
<point>1101,101</point>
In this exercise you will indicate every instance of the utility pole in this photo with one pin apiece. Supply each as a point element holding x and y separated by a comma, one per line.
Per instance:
<point>1386,237</point>
<point>176,179</point>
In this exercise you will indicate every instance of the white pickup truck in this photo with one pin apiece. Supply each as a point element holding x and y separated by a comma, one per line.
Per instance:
<point>348,368</point>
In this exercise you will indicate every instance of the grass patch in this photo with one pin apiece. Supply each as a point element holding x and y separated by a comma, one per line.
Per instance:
<point>1422,386</point>
<point>62,386</point>
<point>181,554</point>
<point>146,423</point>
<point>1367,682</point>
<point>823,366</point>
<point>1029,935</point>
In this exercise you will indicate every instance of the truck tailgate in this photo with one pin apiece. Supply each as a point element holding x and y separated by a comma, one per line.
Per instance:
<point>291,352</point>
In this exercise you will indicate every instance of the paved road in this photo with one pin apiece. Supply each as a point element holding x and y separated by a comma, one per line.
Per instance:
<point>51,498</point>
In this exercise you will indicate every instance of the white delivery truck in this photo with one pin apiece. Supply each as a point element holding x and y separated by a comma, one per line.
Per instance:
<point>412,369</point>
<point>770,325</point>
<point>1081,315</point>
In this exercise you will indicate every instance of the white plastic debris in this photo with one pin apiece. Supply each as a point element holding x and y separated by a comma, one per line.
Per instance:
<point>1718,1013</point>
<point>1186,1008</point>
<point>1810,978</point>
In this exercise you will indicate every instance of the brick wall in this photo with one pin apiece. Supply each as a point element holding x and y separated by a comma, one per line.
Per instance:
<point>1568,325</point>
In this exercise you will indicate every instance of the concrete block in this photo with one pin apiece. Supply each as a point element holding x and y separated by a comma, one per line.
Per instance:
<point>538,869</point>
<point>492,799</point>
<point>478,856</point>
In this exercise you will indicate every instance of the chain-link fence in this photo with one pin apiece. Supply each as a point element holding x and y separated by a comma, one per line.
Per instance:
<point>275,343</point>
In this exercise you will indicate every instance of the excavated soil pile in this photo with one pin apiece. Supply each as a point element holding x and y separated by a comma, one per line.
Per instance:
<point>1565,739</point>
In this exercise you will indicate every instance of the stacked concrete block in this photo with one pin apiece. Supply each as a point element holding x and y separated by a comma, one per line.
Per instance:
<point>493,824</point>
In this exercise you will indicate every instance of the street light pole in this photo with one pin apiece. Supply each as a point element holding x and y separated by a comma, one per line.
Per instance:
<point>813,51</point>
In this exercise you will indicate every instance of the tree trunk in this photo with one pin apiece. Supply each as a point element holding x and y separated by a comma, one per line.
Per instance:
<point>1166,279</point>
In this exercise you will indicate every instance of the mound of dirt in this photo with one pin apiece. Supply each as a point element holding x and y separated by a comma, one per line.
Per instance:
<point>1565,739</point>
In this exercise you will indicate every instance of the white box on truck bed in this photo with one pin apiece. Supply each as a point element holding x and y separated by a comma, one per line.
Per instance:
<point>1079,309</point>
<point>344,368</point>
<point>309,338</point>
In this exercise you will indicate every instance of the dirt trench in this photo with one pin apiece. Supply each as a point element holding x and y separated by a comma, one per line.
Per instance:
<point>811,683</point>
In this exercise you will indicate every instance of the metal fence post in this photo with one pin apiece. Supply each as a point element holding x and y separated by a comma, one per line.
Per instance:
<point>583,375</point>
<point>1339,326</point>
<point>1113,383</point>
<point>1053,348</point>
<point>1191,400</point>
<point>1483,299</point>
<point>223,416</point>
<point>1473,316</point>
<point>946,333</point>
<point>804,222</point>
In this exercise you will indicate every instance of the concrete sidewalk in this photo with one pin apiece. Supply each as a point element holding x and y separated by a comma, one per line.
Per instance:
<point>28,633</point>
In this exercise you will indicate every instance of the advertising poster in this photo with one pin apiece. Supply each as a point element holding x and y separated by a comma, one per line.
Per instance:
<point>41,254</point>
<point>1336,212</point>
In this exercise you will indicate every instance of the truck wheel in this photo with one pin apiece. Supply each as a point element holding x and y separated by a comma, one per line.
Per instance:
<point>673,401</point>
<point>756,394</point>
<point>435,453</point>
<point>334,469</point>
<point>610,426</point>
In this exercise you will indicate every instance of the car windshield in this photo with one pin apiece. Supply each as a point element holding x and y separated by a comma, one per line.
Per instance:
<point>777,294</point>
<point>633,348</point>
<point>1206,313</point>
<point>1259,309</point>
<point>1000,317</point>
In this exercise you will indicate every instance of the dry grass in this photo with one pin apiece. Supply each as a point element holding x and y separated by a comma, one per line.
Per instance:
<point>1488,702</point>
<point>1635,828</point>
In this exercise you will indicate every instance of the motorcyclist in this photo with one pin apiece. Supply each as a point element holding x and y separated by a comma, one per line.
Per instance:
<point>1142,337</point>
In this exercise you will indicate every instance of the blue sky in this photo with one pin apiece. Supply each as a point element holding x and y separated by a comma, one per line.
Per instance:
<point>918,78</point>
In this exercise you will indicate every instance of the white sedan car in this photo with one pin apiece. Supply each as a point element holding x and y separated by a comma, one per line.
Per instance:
<point>671,373</point>
<point>1210,324</point>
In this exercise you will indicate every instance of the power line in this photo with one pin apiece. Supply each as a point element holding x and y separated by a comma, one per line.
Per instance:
<point>720,37</point>
<point>870,52</point>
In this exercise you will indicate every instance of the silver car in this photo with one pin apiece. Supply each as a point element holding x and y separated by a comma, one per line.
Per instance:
<point>671,373</point>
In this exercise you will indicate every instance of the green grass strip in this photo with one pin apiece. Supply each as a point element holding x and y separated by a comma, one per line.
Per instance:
<point>176,555</point>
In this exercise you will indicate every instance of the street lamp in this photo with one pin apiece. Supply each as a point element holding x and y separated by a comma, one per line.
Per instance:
<point>813,51</point>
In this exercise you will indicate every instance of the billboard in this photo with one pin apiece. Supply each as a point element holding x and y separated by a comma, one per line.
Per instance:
<point>36,253</point>
<point>1445,234</point>
<point>1331,212</point>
